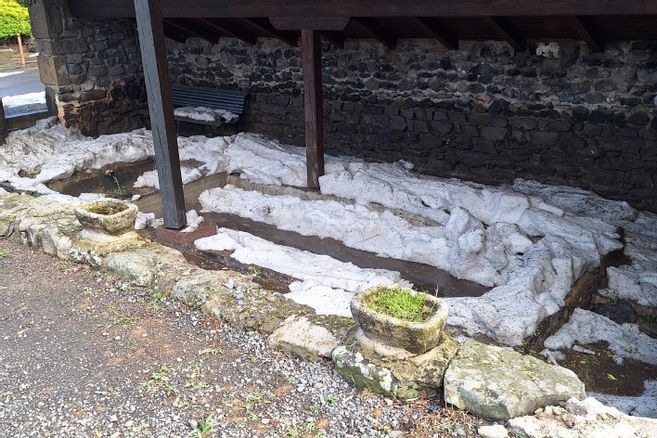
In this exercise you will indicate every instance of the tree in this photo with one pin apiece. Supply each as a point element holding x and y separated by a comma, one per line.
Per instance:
<point>14,19</point>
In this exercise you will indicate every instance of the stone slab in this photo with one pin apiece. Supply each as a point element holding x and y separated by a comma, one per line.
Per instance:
<point>499,383</point>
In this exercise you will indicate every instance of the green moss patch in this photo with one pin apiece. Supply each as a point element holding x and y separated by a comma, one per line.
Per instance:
<point>402,304</point>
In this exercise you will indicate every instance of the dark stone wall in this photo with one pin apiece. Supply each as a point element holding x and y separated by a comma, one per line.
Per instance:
<point>91,69</point>
<point>555,113</point>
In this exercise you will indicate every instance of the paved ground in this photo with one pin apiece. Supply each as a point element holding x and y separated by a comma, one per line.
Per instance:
<point>83,355</point>
<point>25,82</point>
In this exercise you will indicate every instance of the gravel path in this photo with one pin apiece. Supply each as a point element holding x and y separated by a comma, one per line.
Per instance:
<point>81,354</point>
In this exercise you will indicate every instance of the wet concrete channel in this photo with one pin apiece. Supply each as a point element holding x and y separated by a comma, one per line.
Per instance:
<point>117,181</point>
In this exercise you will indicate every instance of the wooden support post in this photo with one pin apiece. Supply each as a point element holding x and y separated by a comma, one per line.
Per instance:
<point>156,75</point>
<point>19,38</point>
<point>3,124</point>
<point>313,99</point>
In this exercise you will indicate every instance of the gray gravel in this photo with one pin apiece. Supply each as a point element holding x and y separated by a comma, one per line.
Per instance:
<point>81,354</point>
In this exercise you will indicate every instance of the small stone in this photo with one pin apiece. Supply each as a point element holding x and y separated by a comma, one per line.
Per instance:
<point>113,418</point>
<point>304,339</point>
<point>494,431</point>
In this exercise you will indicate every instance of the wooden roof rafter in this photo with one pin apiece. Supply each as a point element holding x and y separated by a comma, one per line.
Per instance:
<point>433,28</point>
<point>185,28</point>
<point>583,27</point>
<point>375,30</point>
<point>506,32</point>
<point>228,30</point>
<point>265,27</point>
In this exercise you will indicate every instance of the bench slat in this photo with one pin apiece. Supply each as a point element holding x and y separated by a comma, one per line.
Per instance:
<point>214,98</point>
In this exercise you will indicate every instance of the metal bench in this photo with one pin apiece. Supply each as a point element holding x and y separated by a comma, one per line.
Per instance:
<point>213,98</point>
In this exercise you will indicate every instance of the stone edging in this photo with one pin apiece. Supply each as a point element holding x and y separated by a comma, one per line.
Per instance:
<point>233,298</point>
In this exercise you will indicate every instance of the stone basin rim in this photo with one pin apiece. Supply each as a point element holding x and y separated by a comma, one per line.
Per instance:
<point>109,201</point>
<point>439,306</point>
<point>112,223</point>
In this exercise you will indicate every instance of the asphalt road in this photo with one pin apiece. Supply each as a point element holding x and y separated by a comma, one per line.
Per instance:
<point>25,82</point>
<point>21,83</point>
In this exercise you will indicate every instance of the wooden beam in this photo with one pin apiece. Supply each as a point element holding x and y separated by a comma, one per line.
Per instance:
<point>361,8</point>
<point>228,30</point>
<point>375,31</point>
<point>313,100</point>
<point>262,25</point>
<point>156,75</point>
<point>505,31</point>
<point>584,29</point>
<point>432,27</point>
<point>314,23</point>
<point>189,30</point>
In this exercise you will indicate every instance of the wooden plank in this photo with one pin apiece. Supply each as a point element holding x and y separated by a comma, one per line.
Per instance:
<point>431,27</point>
<point>313,100</point>
<point>506,32</point>
<point>314,23</point>
<point>156,75</point>
<point>375,31</point>
<point>369,8</point>
<point>584,29</point>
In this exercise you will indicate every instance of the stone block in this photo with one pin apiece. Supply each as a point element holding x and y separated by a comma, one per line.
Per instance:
<point>304,339</point>
<point>494,134</point>
<point>47,20</point>
<point>53,70</point>
<point>393,371</point>
<point>498,383</point>
<point>544,138</point>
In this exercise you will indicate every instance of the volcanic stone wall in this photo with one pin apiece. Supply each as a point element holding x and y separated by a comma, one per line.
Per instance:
<point>555,113</point>
<point>91,69</point>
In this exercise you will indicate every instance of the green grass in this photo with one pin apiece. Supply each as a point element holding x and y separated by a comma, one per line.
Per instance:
<point>4,252</point>
<point>204,427</point>
<point>402,304</point>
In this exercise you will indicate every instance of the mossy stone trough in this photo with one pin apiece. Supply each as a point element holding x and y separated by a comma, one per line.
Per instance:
<point>111,216</point>
<point>415,337</point>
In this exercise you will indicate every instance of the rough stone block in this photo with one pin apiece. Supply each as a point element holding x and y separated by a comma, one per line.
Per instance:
<point>389,370</point>
<point>53,70</point>
<point>304,339</point>
<point>47,20</point>
<point>583,419</point>
<point>494,134</point>
<point>499,383</point>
